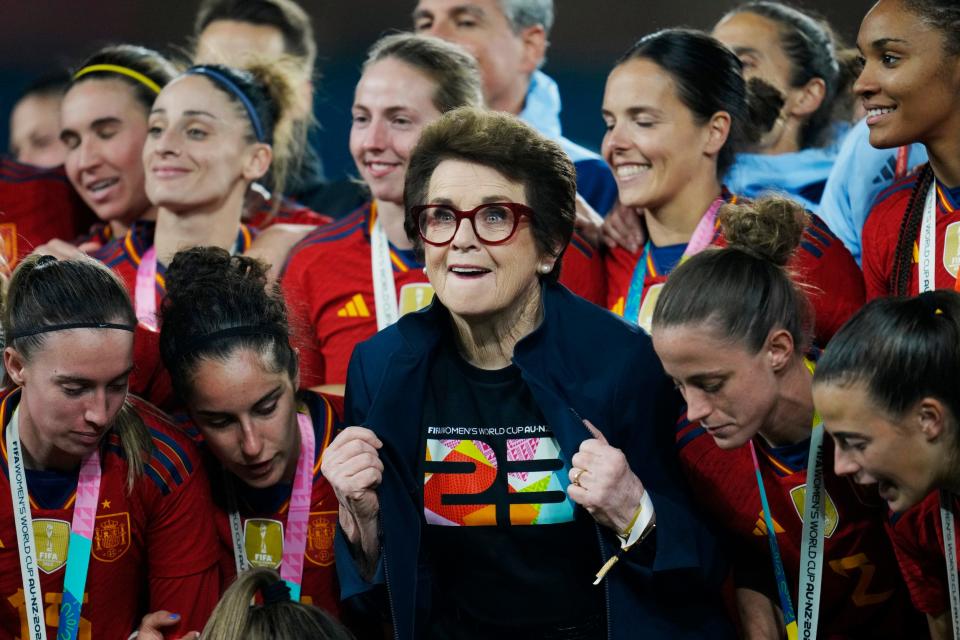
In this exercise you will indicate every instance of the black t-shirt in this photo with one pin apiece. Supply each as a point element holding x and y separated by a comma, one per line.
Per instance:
<point>509,551</point>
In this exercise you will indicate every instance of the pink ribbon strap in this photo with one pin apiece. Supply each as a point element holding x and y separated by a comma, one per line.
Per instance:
<point>145,295</point>
<point>298,514</point>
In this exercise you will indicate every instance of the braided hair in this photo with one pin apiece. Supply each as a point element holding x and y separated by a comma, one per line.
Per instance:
<point>909,233</point>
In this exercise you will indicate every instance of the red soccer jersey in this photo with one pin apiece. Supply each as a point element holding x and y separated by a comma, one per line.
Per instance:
<point>149,378</point>
<point>264,515</point>
<point>36,205</point>
<point>149,549</point>
<point>328,286</point>
<point>821,263</point>
<point>882,231</point>
<point>917,538</point>
<point>862,593</point>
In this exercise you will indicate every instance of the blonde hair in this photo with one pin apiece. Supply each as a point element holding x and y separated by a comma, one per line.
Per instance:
<point>277,618</point>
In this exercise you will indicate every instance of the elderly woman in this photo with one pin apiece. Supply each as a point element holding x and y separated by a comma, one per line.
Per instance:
<point>503,459</point>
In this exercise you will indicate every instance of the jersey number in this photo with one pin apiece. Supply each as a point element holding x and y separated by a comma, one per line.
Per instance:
<point>861,596</point>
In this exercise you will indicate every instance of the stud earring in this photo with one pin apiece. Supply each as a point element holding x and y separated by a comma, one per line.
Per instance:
<point>546,268</point>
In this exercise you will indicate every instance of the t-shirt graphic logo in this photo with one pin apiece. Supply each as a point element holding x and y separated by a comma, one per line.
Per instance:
<point>465,483</point>
<point>263,542</point>
<point>51,538</point>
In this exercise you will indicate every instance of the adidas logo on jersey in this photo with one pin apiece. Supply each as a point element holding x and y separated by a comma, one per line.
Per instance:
<point>356,308</point>
<point>761,527</point>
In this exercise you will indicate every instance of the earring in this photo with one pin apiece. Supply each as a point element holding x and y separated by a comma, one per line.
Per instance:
<point>424,271</point>
<point>546,268</point>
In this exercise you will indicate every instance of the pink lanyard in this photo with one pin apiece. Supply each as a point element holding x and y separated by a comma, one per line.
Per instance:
<point>145,295</point>
<point>298,514</point>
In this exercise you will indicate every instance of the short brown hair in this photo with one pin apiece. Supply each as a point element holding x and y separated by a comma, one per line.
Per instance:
<point>511,147</point>
<point>286,16</point>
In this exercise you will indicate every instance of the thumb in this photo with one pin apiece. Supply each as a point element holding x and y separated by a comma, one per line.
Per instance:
<point>596,433</point>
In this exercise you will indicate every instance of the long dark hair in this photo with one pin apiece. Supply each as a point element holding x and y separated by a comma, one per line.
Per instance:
<point>709,78</point>
<point>217,303</point>
<point>743,290</point>
<point>901,350</point>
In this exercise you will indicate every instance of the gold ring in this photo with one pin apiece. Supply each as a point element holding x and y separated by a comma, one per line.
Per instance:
<point>576,476</point>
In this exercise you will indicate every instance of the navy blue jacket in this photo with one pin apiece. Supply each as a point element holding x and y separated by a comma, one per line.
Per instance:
<point>580,362</point>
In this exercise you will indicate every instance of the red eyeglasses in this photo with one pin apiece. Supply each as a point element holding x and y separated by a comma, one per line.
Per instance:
<point>493,223</point>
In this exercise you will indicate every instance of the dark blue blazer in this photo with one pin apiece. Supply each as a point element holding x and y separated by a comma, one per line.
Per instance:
<point>581,362</point>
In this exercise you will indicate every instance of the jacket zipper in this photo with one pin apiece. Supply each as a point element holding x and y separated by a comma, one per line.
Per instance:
<point>386,580</point>
<point>606,581</point>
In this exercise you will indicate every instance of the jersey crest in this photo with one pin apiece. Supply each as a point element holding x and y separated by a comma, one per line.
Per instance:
<point>111,536</point>
<point>263,542</point>
<point>798,496</point>
<point>8,243</point>
<point>320,532</point>
<point>51,538</point>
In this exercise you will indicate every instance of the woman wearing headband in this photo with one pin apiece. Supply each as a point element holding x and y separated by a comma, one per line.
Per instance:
<point>888,389</point>
<point>226,344</point>
<point>752,446</point>
<point>346,281</point>
<point>103,487</point>
<point>677,108</point>
<point>212,132</point>
<point>103,120</point>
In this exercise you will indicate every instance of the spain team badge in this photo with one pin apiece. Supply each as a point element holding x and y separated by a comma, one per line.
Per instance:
<point>798,495</point>
<point>51,538</point>
<point>111,536</point>
<point>8,243</point>
<point>263,542</point>
<point>320,532</point>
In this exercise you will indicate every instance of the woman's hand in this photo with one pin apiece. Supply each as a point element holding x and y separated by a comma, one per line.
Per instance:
<point>153,624</point>
<point>352,466</point>
<point>588,222</point>
<point>602,483</point>
<point>622,228</point>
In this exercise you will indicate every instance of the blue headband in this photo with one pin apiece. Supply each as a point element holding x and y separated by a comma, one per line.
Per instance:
<point>232,87</point>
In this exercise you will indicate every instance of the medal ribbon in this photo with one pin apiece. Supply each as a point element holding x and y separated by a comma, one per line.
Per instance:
<point>948,523</point>
<point>78,551</point>
<point>811,542</point>
<point>947,515</point>
<point>928,244</point>
<point>384,285</point>
<point>701,238</point>
<point>298,514</point>
<point>145,294</point>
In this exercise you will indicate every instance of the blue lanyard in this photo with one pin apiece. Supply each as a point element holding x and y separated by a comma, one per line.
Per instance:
<point>631,310</point>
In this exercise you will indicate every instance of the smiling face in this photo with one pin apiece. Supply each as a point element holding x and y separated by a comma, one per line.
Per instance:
<point>198,154</point>
<point>392,104</point>
<point>909,83</point>
<point>471,279</point>
<point>731,391</point>
<point>35,131</point>
<point>246,411</point>
<point>73,387</point>
<point>653,143</point>
<point>506,58</point>
<point>104,126</point>
<point>898,455</point>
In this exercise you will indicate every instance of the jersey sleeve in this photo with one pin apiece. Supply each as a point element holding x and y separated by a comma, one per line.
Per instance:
<point>296,294</point>
<point>582,271</point>
<point>918,545</point>
<point>880,235</point>
<point>193,597</point>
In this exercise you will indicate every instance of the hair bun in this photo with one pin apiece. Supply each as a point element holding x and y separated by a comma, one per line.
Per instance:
<point>769,227</point>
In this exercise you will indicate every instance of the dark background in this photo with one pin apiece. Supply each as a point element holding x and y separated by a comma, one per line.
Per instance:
<point>36,35</point>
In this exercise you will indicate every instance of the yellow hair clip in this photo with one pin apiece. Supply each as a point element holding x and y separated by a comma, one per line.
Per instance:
<point>124,71</point>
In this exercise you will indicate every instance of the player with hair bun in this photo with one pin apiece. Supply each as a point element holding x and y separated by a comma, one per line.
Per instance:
<point>99,489</point>
<point>226,343</point>
<point>677,109</point>
<point>212,132</point>
<point>732,328</point>
<point>888,389</point>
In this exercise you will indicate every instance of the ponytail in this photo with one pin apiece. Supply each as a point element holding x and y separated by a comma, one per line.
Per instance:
<point>274,617</point>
